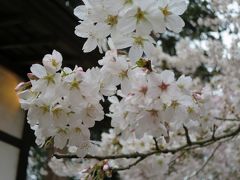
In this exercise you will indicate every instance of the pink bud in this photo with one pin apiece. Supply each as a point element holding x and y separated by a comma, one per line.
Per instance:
<point>31,76</point>
<point>197,96</point>
<point>20,86</point>
<point>106,167</point>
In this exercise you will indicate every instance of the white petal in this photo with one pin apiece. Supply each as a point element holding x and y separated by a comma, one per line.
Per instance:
<point>88,122</point>
<point>38,70</point>
<point>121,42</point>
<point>47,59</point>
<point>85,132</point>
<point>60,140</point>
<point>113,99</point>
<point>57,56</point>
<point>102,30</point>
<point>184,82</point>
<point>80,12</point>
<point>144,28</point>
<point>135,53</point>
<point>163,3</point>
<point>157,21</point>
<point>126,25</point>
<point>89,45</point>
<point>82,30</point>
<point>175,23</point>
<point>178,6</point>
<point>143,4</point>
<point>83,148</point>
<point>167,76</point>
<point>148,49</point>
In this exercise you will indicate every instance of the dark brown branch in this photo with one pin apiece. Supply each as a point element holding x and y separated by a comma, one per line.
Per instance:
<point>214,131</point>
<point>188,139</point>
<point>226,119</point>
<point>130,165</point>
<point>194,145</point>
<point>173,162</point>
<point>142,156</point>
<point>100,158</point>
<point>156,143</point>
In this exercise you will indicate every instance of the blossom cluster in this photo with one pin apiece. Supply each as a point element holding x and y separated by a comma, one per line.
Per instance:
<point>63,104</point>
<point>128,22</point>
<point>150,101</point>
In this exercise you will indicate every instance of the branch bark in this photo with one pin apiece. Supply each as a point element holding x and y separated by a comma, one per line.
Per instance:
<point>142,156</point>
<point>188,139</point>
<point>226,119</point>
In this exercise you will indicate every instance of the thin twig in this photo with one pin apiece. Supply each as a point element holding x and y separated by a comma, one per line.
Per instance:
<point>173,162</point>
<point>206,162</point>
<point>227,119</point>
<point>214,131</point>
<point>188,139</point>
<point>156,143</point>
<point>130,165</point>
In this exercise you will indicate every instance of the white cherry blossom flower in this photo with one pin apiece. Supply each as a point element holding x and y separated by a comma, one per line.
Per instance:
<point>143,16</point>
<point>171,9</point>
<point>52,62</point>
<point>95,34</point>
<point>163,85</point>
<point>139,43</point>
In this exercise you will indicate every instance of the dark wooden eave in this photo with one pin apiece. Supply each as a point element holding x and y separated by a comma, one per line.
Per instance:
<point>29,29</point>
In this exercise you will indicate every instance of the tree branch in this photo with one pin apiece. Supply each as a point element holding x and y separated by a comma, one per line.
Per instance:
<point>193,145</point>
<point>156,143</point>
<point>214,131</point>
<point>173,162</point>
<point>225,119</point>
<point>188,139</point>
<point>130,165</point>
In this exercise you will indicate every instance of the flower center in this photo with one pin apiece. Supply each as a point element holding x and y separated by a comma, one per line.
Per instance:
<point>166,11</point>
<point>123,74</point>
<point>49,78</point>
<point>163,86</point>
<point>190,110</point>
<point>139,40</point>
<point>153,113</point>
<point>45,109</point>
<point>128,2</point>
<point>140,15</point>
<point>112,20</point>
<point>175,104</point>
<point>144,90</point>
<point>74,84</point>
<point>78,130</point>
<point>56,112</point>
<point>54,63</point>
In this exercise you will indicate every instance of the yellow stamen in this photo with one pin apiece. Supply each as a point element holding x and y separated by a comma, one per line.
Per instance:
<point>112,20</point>
<point>140,15</point>
<point>54,63</point>
<point>166,11</point>
<point>139,40</point>
<point>74,85</point>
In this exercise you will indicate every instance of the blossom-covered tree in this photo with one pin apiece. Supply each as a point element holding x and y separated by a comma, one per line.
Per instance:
<point>175,110</point>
